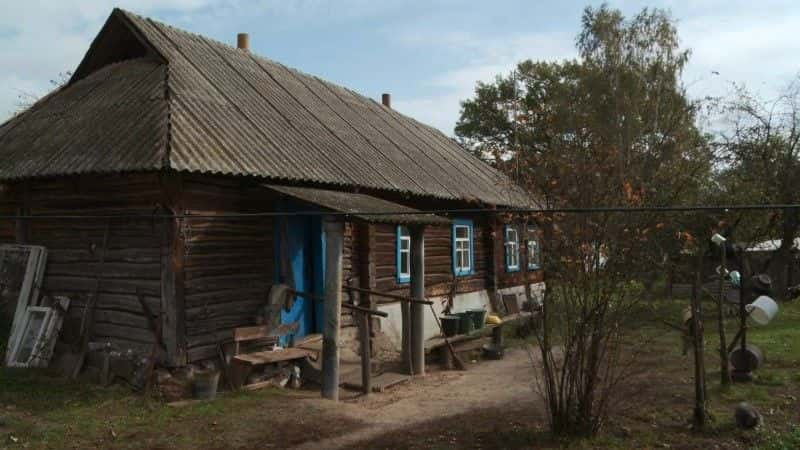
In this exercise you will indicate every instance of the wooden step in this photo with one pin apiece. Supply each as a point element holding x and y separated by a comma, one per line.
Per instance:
<point>380,383</point>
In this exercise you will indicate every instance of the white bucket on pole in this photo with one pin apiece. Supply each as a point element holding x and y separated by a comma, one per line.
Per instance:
<point>763,310</point>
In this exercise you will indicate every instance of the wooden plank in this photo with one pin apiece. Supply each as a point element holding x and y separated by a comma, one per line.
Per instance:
<point>272,356</point>
<point>250,333</point>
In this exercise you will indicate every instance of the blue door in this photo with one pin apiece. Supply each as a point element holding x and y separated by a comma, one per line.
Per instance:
<point>301,265</point>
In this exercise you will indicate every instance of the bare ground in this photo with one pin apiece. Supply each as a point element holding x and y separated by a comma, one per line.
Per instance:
<point>438,395</point>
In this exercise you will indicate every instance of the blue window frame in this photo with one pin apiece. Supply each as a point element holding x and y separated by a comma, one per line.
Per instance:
<point>511,243</point>
<point>463,247</point>
<point>534,250</point>
<point>403,254</point>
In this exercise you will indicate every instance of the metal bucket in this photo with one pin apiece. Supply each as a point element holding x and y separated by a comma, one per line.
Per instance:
<point>205,384</point>
<point>478,317</point>
<point>748,359</point>
<point>466,325</point>
<point>450,325</point>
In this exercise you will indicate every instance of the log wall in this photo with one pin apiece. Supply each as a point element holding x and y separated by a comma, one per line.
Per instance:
<point>438,260</point>
<point>489,254</point>
<point>75,249</point>
<point>203,276</point>
<point>228,262</point>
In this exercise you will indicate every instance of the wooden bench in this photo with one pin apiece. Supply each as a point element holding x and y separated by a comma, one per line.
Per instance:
<point>243,363</point>
<point>439,342</point>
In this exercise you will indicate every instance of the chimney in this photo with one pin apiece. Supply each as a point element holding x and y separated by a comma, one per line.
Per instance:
<point>386,99</point>
<point>243,41</point>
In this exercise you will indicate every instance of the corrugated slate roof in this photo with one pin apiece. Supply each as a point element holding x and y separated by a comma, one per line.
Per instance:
<point>197,105</point>
<point>382,211</point>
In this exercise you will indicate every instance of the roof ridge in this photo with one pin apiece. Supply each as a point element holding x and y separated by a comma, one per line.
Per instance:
<point>258,56</point>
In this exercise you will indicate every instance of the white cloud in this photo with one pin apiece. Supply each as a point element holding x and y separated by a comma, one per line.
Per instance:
<point>754,49</point>
<point>750,43</point>
<point>487,59</point>
<point>40,39</point>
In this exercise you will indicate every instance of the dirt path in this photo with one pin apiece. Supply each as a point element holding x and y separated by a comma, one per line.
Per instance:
<point>437,395</point>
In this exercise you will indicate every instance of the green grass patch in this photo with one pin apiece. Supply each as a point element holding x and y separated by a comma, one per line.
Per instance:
<point>786,440</point>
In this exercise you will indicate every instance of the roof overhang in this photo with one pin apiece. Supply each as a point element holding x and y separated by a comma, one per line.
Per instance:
<point>359,206</point>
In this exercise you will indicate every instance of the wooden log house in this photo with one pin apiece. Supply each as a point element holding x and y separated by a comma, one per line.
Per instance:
<point>165,143</point>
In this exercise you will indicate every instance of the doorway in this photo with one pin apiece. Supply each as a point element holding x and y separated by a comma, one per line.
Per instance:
<point>301,265</point>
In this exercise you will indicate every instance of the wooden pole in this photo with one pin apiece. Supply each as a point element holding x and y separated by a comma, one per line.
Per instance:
<point>699,416</point>
<point>366,363</point>
<point>402,298</point>
<point>372,312</point>
<point>418,291</point>
<point>725,376</point>
<point>334,235</point>
<point>405,345</point>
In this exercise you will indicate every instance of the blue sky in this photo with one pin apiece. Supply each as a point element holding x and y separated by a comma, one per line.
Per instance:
<point>428,54</point>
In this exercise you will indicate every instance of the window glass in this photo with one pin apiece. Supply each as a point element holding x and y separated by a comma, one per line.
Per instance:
<point>534,251</point>
<point>403,254</point>
<point>462,248</point>
<point>512,248</point>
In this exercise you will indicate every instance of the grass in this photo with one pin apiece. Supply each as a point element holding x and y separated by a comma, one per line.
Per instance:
<point>656,405</point>
<point>42,411</point>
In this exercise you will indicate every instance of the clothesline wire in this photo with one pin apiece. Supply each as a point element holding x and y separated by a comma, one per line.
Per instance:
<point>402,214</point>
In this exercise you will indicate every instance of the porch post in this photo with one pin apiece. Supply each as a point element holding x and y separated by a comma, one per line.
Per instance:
<point>418,291</point>
<point>334,235</point>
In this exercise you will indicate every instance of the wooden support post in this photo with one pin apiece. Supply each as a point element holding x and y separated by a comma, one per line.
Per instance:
<point>173,308</point>
<point>366,349</point>
<point>417,310</point>
<point>334,237</point>
<point>405,344</point>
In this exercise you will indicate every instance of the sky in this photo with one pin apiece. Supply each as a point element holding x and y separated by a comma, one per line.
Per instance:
<point>427,53</point>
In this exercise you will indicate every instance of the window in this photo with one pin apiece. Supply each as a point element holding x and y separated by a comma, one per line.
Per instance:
<point>512,249</point>
<point>534,254</point>
<point>403,254</point>
<point>534,250</point>
<point>462,247</point>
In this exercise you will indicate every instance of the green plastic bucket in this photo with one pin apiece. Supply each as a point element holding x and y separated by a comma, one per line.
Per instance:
<point>478,317</point>
<point>450,325</point>
<point>466,324</point>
